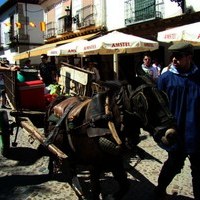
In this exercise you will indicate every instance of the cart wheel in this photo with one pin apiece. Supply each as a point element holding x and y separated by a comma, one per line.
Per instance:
<point>4,133</point>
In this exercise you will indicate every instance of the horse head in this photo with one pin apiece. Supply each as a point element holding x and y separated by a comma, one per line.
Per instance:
<point>141,105</point>
<point>151,107</point>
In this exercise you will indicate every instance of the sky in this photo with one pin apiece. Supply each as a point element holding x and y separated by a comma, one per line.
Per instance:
<point>2,2</point>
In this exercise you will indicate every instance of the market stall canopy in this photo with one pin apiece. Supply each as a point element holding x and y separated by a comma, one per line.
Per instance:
<point>35,52</point>
<point>66,49</point>
<point>189,33</point>
<point>117,42</point>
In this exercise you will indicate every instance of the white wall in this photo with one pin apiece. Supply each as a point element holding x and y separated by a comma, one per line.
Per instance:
<point>195,4</point>
<point>99,12</point>
<point>114,14</point>
<point>77,5</point>
<point>171,9</point>
<point>35,14</point>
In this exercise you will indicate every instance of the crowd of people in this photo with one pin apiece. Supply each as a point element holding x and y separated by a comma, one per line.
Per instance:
<point>181,82</point>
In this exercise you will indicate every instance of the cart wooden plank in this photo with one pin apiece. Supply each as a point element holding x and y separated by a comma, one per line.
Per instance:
<point>75,80</point>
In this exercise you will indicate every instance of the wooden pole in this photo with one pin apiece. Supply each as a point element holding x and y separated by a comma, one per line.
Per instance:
<point>111,124</point>
<point>31,129</point>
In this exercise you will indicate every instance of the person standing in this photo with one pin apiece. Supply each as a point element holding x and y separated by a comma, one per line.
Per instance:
<point>157,66</point>
<point>148,68</point>
<point>4,66</point>
<point>47,72</point>
<point>182,85</point>
<point>91,67</point>
<point>165,69</point>
<point>27,64</point>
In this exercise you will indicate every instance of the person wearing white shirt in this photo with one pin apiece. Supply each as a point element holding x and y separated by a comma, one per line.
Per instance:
<point>148,68</point>
<point>91,67</point>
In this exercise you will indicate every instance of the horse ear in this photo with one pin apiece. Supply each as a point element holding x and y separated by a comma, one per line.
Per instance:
<point>139,70</point>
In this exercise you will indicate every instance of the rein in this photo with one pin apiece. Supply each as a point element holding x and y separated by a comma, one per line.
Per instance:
<point>162,103</point>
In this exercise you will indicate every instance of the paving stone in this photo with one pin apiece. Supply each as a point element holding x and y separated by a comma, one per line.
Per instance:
<point>28,180</point>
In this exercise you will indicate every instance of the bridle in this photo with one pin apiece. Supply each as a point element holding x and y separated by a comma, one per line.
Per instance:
<point>133,102</point>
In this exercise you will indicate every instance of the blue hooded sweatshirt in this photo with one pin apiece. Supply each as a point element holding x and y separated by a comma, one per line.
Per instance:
<point>183,91</point>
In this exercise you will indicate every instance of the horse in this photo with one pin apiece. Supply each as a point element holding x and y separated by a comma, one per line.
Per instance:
<point>93,131</point>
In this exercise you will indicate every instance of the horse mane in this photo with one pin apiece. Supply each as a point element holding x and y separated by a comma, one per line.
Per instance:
<point>112,84</point>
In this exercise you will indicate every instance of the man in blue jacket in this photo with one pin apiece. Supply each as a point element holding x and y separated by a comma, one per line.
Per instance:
<point>182,85</point>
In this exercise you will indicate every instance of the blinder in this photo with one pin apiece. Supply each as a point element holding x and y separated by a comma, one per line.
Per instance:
<point>163,100</point>
<point>139,101</point>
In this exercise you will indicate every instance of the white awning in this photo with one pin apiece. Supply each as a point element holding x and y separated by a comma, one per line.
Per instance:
<point>189,33</point>
<point>35,52</point>
<point>66,49</point>
<point>43,49</point>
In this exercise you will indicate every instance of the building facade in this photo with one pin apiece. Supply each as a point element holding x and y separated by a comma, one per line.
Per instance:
<point>19,28</point>
<point>67,20</point>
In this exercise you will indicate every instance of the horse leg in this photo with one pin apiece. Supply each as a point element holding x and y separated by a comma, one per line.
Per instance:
<point>95,183</point>
<point>120,176</point>
<point>52,166</point>
<point>71,177</point>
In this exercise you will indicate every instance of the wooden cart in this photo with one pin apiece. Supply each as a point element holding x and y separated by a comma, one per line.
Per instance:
<point>73,81</point>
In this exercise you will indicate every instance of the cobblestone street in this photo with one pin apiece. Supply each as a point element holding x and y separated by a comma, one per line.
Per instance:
<point>24,177</point>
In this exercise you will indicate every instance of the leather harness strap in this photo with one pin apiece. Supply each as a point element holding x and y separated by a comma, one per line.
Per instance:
<point>54,132</point>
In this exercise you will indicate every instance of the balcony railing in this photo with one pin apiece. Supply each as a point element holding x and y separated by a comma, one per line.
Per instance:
<point>143,17</point>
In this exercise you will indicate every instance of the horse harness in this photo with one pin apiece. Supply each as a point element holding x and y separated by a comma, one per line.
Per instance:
<point>69,110</point>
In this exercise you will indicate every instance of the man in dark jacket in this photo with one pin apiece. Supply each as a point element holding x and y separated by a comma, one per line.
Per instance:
<point>182,85</point>
<point>47,72</point>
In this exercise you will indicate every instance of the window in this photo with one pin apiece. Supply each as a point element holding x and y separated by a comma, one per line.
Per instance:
<point>144,9</point>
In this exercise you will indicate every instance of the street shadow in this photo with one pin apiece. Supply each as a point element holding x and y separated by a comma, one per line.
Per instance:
<point>10,185</point>
<point>139,154</point>
<point>142,188</point>
<point>8,182</point>
<point>25,155</point>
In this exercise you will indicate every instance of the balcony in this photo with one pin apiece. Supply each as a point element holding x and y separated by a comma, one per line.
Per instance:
<point>16,38</point>
<point>51,30</point>
<point>85,17</point>
<point>143,12</point>
<point>64,24</point>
